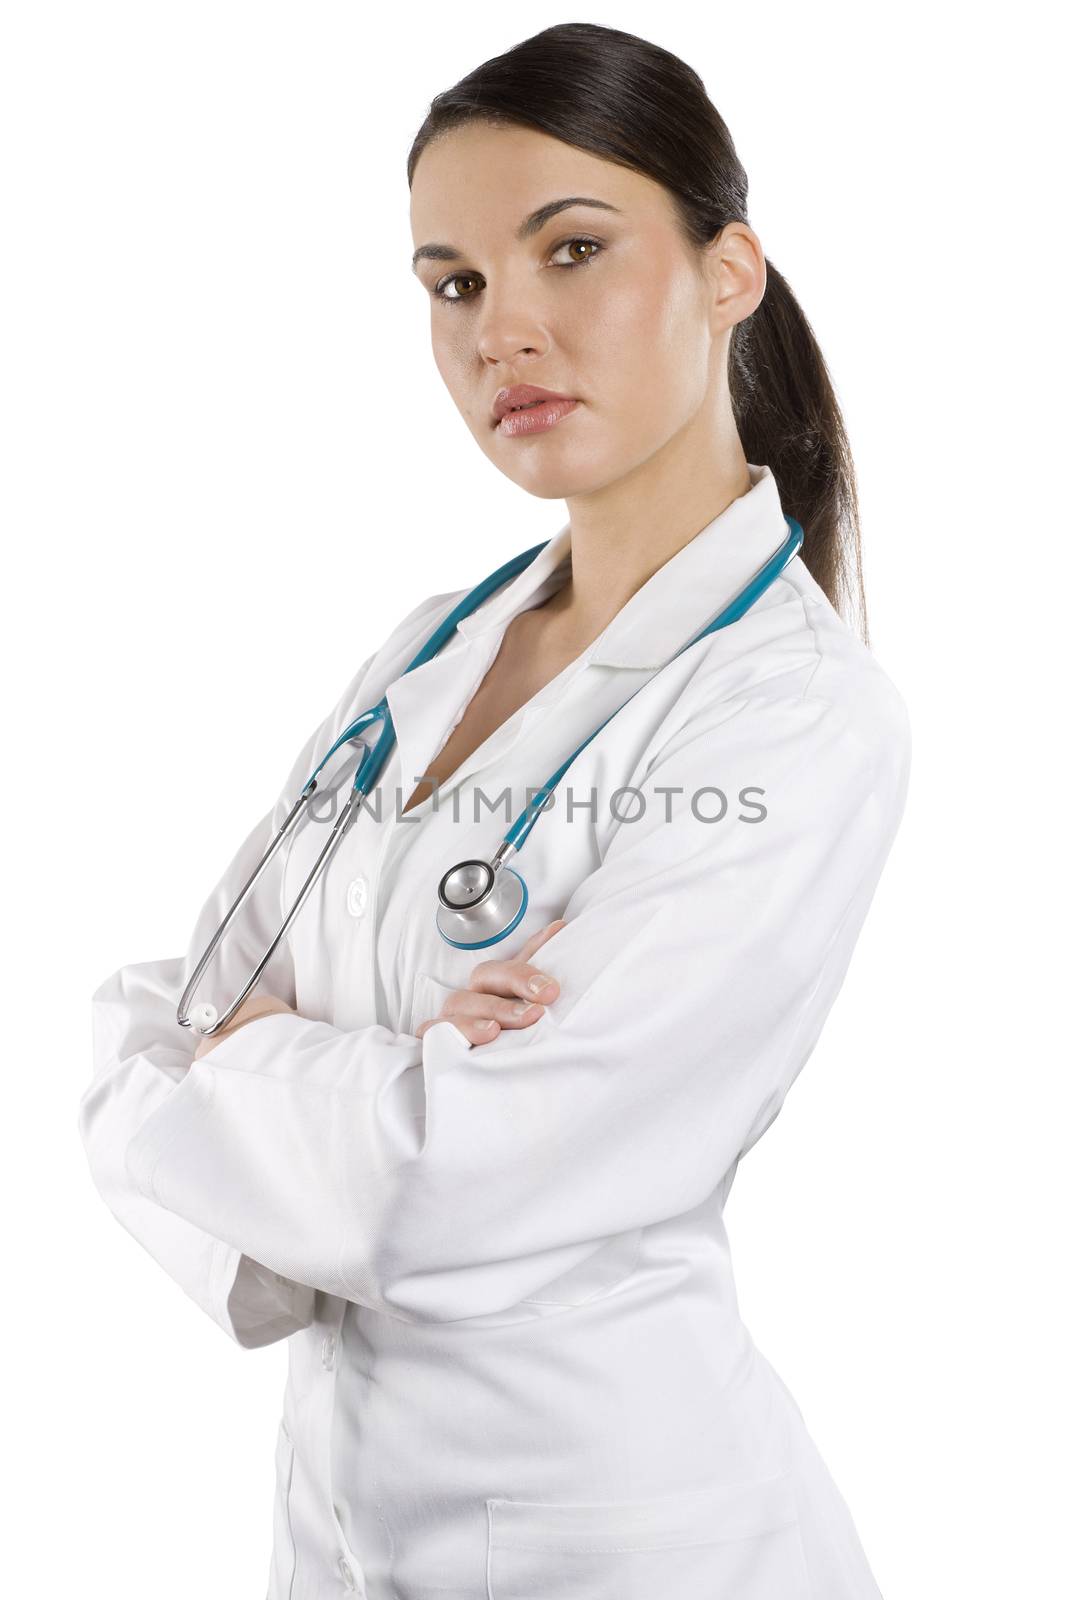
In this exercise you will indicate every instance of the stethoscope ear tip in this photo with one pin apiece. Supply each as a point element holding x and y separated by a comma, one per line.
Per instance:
<point>202,1017</point>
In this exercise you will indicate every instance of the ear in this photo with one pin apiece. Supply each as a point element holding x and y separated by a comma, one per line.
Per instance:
<point>738,272</point>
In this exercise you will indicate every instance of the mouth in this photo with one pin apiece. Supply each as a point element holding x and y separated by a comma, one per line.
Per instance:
<point>520,397</point>
<point>524,409</point>
<point>535,417</point>
<point>527,407</point>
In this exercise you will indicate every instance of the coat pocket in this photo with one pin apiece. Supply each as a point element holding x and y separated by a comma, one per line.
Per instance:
<point>283,1557</point>
<point>740,1540</point>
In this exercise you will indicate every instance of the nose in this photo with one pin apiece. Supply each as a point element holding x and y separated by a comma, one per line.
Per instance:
<point>510,328</point>
<point>499,349</point>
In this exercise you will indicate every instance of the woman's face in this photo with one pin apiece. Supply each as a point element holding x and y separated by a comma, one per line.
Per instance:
<point>632,323</point>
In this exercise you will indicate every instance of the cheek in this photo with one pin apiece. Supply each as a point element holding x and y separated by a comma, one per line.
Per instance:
<point>452,356</point>
<point>648,355</point>
<point>443,345</point>
<point>454,341</point>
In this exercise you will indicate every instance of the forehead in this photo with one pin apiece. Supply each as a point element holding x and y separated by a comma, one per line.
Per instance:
<point>480,180</point>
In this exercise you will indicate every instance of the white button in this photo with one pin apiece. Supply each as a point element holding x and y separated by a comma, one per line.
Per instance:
<point>328,1348</point>
<point>346,1573</point>
<point>358,891</point>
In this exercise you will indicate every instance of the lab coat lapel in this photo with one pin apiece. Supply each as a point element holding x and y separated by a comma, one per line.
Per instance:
<point>673,605</point>
<point>427,703</point>
<point>426,707</point>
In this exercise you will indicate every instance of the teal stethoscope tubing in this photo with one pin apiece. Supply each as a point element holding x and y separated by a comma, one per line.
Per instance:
<point>375,757</point>
<point>519,832</point>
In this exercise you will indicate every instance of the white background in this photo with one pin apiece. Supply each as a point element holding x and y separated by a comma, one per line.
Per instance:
<point>230,466</point>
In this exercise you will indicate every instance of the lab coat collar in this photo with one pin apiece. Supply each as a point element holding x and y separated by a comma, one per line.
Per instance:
<point>668,610</point>
<point>677,600</point>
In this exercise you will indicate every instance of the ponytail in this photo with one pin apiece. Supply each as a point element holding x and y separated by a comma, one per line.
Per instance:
<point>788,418</point>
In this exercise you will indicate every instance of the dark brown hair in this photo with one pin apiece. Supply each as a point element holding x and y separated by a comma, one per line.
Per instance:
<point>632,102</point>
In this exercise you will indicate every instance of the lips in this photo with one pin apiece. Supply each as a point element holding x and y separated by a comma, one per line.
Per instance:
<point>520,396</point>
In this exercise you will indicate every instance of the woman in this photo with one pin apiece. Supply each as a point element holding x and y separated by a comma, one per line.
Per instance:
<point>488,1215</point>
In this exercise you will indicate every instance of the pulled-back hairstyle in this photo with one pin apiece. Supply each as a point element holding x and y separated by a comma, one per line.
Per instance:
<point>632,102</point>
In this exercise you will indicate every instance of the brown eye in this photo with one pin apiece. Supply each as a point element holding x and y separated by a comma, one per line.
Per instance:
<point>587,250</point>
<point>441,291</point>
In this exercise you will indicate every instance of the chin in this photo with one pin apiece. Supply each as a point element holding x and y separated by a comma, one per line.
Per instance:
<point>560,479</point>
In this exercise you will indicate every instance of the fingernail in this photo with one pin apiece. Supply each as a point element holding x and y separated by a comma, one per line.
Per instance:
<point>520,1008</point>
<point>483,1024</point>
<point>540,984</point>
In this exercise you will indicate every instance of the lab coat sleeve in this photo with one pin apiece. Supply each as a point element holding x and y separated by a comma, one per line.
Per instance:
<point>141,1055</point>
<point>435,1181</point>
<point>138,1060</point>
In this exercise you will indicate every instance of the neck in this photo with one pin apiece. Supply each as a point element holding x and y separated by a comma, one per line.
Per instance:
<point>621,534</point>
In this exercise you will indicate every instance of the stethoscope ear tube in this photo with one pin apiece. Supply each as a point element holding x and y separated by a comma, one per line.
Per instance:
<point>204,1018</point>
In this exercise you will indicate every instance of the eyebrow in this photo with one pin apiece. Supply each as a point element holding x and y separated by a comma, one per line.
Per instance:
<point>532,224</point>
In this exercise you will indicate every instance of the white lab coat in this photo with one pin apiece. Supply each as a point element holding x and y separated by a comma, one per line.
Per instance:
<point>517,1365</point>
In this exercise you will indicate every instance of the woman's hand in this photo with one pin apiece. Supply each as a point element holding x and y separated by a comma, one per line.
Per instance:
<point>502,994</point>
<point>261,1005</point>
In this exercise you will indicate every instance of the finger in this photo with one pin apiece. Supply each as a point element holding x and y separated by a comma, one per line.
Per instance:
<point>539,938</point>
<point>509,1013</point>
<point>514,977</point>
<point>517,1012</point>
<point>477,1029</point>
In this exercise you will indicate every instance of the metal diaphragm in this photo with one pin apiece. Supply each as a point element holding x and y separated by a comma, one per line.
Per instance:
<point>479,904</point>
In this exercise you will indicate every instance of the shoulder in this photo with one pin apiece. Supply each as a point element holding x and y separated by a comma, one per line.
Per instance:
<point>844,674</point>
<point>792,681</point>
<point>413,629</point>
<point>411,632</point>
<point>393,653</point>
<point>366,686</point>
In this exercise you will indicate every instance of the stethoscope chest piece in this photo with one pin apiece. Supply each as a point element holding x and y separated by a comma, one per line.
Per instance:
<point>479,903</point>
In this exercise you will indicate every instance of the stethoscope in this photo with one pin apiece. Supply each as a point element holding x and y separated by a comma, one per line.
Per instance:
<point>479,902</point>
